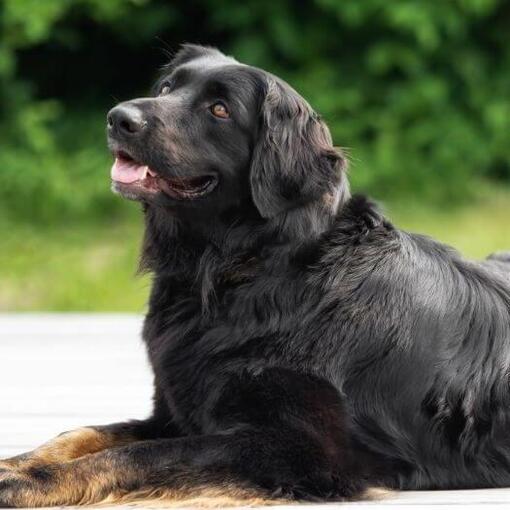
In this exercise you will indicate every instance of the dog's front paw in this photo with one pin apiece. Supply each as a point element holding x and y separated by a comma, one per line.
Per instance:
<point>12,486</point>
<point>33,487</point>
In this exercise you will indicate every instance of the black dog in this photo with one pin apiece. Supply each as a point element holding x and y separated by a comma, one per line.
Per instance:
<point>302,347</point>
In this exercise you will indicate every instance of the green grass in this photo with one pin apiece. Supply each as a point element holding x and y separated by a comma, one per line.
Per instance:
<point>92,267</point>
<point>476,230</point>
<point>74,267</point>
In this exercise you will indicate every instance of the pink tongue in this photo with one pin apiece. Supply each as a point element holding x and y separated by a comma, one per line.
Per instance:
<point>126,171</point>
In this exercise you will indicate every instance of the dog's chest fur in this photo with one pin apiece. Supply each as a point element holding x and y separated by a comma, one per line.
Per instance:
<point>213,314</point>
<point>198,335</point>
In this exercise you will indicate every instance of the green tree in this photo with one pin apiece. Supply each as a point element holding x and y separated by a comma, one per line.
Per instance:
<point>417,91</point>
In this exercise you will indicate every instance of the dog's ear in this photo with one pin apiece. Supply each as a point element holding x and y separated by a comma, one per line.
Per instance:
<point>294,161</point>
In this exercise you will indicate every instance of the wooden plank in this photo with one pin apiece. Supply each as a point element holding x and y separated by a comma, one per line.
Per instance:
<point>61,371</point>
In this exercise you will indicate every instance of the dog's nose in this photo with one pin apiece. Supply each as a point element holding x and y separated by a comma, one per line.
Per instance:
<point>125,119</point>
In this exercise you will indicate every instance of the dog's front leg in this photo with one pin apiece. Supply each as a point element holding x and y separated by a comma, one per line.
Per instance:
<point>83,441</point>
<point>274,434</point>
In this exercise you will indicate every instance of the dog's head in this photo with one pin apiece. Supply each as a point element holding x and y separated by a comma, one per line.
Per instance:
<point>217,134</point>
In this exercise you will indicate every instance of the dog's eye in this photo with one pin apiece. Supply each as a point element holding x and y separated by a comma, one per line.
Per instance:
<point>165,89</point>
<point>220,110</point>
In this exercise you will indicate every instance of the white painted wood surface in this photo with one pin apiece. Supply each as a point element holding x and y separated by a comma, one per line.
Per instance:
<point>61,371</point>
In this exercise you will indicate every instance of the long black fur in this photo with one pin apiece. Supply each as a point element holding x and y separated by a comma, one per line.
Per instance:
<point>301,344</point>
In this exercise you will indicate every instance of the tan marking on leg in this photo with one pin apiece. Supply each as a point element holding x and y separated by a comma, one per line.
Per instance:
<point>77,443</point>
<point>77,482</point>
<point>68,446</point>
<point>220,496</point>
<point>378,493</point>
<point>104,480</point>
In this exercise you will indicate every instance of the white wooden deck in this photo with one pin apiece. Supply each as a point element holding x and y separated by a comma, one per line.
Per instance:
<point>58,372</point>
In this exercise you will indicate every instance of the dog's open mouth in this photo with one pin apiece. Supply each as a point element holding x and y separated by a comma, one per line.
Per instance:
<point>132,177</point>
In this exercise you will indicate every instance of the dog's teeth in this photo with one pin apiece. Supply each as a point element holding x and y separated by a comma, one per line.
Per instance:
<point>145,172</point>
<point>151,173</point>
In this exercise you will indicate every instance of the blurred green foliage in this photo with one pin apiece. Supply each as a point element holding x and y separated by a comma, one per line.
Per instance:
<point>418,91</point>
<point>59,267</point>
